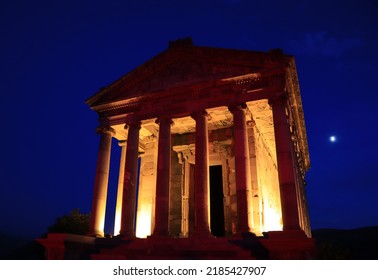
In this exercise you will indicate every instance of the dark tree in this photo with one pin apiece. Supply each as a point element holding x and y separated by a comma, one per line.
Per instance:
<point>74,223</point>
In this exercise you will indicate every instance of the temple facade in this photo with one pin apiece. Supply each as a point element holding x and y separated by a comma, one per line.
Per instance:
<point>213,149</point>
<point>205,134</point>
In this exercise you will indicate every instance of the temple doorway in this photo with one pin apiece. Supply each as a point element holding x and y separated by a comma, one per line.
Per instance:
<point>216,201</point>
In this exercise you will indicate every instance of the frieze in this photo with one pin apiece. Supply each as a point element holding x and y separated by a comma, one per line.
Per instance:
<point>295,104</point>
<point>178,99</point>
<point>298,152</point>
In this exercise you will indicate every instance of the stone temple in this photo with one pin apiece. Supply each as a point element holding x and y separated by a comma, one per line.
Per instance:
<point>213,160</point>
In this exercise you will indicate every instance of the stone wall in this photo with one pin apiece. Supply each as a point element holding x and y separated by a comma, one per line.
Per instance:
<point>269,186</point>
<point>146,191</point>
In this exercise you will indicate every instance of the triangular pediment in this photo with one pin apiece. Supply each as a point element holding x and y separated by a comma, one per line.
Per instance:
<point>179,66</point>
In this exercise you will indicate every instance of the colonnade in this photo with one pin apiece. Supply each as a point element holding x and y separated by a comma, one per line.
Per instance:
<point>285,166</point>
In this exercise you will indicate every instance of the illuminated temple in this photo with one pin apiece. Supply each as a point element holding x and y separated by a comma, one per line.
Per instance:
<point>213,158</point>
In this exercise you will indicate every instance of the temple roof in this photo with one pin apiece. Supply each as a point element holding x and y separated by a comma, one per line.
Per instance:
<point>184,64</point>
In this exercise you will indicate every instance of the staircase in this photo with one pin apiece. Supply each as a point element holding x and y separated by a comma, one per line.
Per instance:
<point>163,248</point>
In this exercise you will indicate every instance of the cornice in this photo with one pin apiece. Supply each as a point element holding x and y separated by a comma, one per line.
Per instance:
<point>297,116</point>
<point>214,92</point>
<point>131,104</point>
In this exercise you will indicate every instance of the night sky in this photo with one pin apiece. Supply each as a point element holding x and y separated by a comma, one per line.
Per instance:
<point>56,54</point>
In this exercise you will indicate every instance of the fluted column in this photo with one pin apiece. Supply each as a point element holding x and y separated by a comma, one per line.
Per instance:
<point>163,177</point>
<point>130,181</point>
<point>285,165</point>
<point>97,222</point>
<point>202,224</point>
<point>242,169</point>
<point>118,210</point>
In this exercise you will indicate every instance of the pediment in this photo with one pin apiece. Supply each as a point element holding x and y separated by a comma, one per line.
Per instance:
<point>181,66</point>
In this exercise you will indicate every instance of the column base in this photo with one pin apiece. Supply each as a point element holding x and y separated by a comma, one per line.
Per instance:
<point>160,231</point>
<point>201,234</point>
<point>286,234</point>
<point>289,245</point>
<point>159,235</point>
<point>127,235</point>
<point>243,235</point>
<point>96,234</point>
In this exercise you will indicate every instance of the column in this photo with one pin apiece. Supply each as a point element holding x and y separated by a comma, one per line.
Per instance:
<point>118,210</point>
<point>285,165</point>
<point>185,198</point>
<point>130,181</point>
<point>97,222</point>
<point>242,169</point>
<point>163,177</point>
<point>202,225</point>
<point>255,188</point>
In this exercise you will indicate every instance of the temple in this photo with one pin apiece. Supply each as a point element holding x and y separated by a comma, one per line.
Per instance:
<point>213,157</point>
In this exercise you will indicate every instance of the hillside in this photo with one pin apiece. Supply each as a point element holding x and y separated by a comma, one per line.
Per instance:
<point>19,248</point>
<point>353,244</point>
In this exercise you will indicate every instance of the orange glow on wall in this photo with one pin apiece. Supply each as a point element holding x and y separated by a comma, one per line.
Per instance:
<point>143,222</point>
<point>272,219</point>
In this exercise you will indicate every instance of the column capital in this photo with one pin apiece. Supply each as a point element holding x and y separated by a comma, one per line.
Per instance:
<point>197,114</point>
<point>105,130</point>
<point>279,99</point>
<point>251,123</point>
<point>237,107</point>
<point>122,143</point>
<point>132,123</point>
<point>166,120</point>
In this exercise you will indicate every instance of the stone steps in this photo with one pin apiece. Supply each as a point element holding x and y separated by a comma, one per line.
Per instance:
<point>155,248</point>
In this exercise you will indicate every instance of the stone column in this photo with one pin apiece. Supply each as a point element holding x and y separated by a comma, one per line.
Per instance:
<point>202,224</point>
<point>255,188</point>
<point>242,169</point>
<point>163,177</point>
<point>285,165</point>
<point>97,222</point>
<point>185,199</point>
<point>118,210</point>
<point>130,181</point>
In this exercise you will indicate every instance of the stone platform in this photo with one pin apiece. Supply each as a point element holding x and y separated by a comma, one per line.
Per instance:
<point>155,248</point>
<point>273,245</point>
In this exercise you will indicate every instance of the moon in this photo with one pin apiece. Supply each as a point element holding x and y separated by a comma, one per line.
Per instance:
<point>332,139</point>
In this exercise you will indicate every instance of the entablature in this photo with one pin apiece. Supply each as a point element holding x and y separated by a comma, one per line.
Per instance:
<point>183,101</point>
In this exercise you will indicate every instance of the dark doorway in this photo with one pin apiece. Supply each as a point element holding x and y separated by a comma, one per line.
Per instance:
<point>216,201</point>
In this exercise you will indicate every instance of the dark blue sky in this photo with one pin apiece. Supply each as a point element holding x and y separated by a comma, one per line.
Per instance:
<point>56,54</point>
